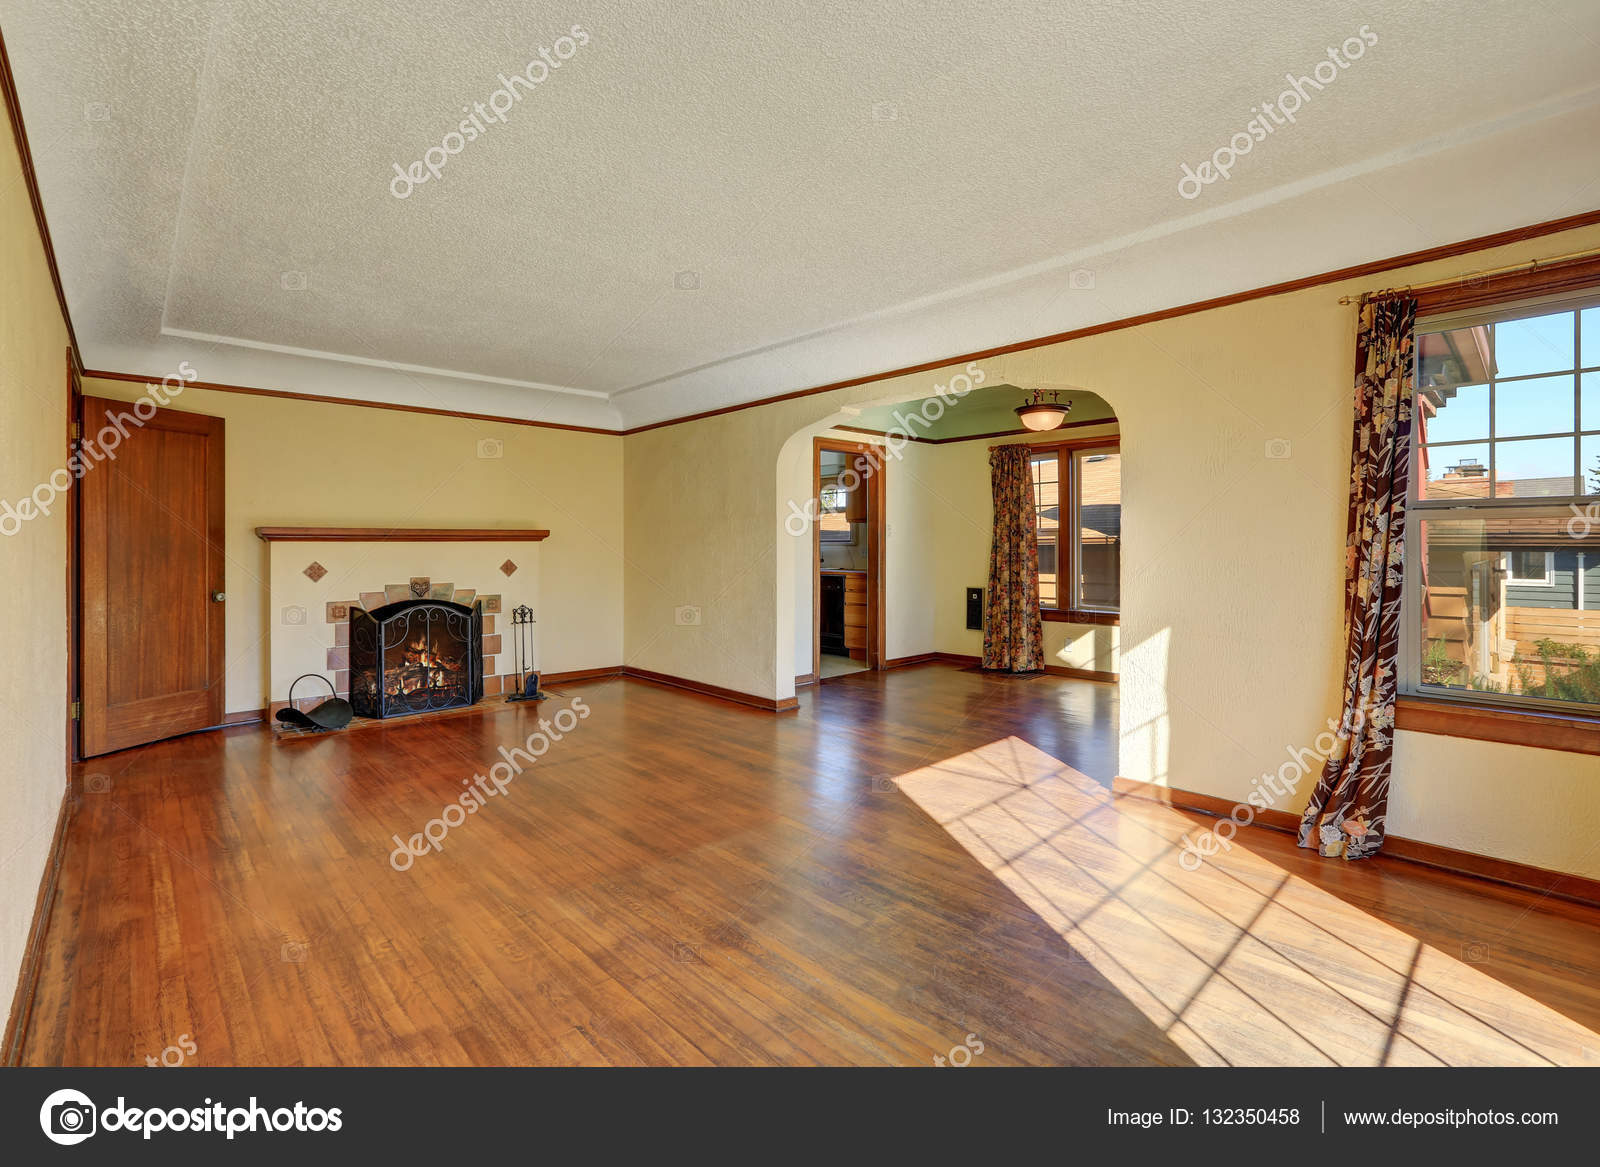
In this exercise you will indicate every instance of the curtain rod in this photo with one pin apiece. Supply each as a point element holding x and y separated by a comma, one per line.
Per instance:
<point>1529,265</point>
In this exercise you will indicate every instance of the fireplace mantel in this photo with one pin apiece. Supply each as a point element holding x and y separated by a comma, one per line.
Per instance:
<point>400,535</point>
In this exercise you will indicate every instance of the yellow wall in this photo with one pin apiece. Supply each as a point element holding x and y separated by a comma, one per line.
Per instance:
<point>33,566</point>
<point>1230,641</point>
<point>296,463</point>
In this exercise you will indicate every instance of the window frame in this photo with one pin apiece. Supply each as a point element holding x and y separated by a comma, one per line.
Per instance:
<point>1067,453</point>
<point>1506,717</point>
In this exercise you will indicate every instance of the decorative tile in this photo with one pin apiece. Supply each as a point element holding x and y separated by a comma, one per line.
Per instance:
<point>491,603</point>
<point>394,593</point>
<point>491,645</point>
<point>338,658</point>
<point>465,596</point>
<point>488,665</point>
<point>491,686</point>
<point>419,587</point>
<point>508,568</point>
<point>315,571</point>
<point>338,611</point>
<point>488,625</point>
<point>341,633</point>
<point>441,591</point>
<point>341,682</point>
<point>371,600</point>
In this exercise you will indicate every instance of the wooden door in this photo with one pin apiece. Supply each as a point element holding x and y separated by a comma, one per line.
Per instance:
<point>152,586</point>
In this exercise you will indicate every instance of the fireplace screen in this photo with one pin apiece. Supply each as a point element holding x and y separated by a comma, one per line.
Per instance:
<point>415,656</point>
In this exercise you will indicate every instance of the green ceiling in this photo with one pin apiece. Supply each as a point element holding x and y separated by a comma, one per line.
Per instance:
<point>987,410</point>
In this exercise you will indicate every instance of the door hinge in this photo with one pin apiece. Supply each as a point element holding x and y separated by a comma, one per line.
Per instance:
<point>77,710</point>
<point>77,431</point>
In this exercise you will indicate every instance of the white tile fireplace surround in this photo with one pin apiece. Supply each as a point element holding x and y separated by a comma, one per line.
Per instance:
<point>317,574</point>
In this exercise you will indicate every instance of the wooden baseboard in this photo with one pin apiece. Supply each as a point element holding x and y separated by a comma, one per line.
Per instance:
<point>769,704</point>
<point>1559,884</point>
<point>244,717</point>
<point>1524,876</point>
<point>575,675</point>
<point>1081,674</point>
<point>33,951</point>
<point>902,662</point>
<point>1272,819</point>
<point>933,658</point>
<point>805,679</point>
<point>966,661</point>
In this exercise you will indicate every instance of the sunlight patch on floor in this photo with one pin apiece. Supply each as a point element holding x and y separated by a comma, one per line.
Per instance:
<point>1239,962</point>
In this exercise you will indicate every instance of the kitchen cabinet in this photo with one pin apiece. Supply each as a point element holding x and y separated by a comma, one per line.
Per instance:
<point>843,618</point>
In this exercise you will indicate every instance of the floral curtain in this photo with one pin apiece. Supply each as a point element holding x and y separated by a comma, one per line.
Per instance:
<point>1013,639</point>
<point>1347,809</point>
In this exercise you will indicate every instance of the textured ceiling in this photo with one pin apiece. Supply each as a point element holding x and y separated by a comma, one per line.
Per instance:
<point>716,201</point>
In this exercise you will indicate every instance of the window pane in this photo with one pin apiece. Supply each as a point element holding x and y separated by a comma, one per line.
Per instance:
<point>1454,472</point>
<point>1046,470</point>
<point>1535,468</point>
<point>1454,414</point>
<point>1485,630</point>
<point>1541,406</point>
<point>1523,566</point>
<point>1099,532</point>
<point>1591,337</point>
<point>1537,344</point>
<point>1591,474</point>
<point>1049,595</point>
<point>1591,392</point>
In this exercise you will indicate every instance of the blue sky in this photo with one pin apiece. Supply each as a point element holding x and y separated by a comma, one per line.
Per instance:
<point>1535,347</point>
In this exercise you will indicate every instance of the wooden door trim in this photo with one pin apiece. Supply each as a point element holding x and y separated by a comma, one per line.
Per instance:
<point>876,523</point>
<point>74,557</point>
<point>91,545</point>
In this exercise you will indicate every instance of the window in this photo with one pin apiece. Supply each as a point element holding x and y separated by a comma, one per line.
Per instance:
<point>1077,499</point>
<point>836,510</point>
<point>1502,600</point>
<point>833,522</point>
<point>1530,568</point>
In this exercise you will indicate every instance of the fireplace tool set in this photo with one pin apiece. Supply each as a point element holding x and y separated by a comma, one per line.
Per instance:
<point>527,683</point>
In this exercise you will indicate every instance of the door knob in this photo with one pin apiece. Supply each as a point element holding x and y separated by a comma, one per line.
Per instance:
<point>218,597</point>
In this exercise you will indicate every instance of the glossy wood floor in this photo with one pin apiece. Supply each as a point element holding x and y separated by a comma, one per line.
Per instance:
<point>913,858</point>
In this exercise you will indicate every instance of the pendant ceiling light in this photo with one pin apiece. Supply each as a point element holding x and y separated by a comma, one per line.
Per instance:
<point>1037,414</point>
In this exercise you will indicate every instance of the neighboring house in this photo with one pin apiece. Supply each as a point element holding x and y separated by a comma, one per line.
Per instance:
<point>1493,595</point>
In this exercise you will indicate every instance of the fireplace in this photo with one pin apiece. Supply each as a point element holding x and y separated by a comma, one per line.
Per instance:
<point>415,656</point>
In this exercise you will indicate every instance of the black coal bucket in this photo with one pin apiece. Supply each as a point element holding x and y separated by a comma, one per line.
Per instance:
<point>334,713</point>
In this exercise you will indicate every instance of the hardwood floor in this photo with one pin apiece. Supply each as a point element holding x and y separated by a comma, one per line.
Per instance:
<point>904,862</point>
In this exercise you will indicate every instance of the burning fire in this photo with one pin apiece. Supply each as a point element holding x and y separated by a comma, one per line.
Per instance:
<point>420,668</point>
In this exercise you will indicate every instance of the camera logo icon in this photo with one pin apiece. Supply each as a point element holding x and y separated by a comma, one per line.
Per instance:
<point>67,1117</point>
<point>491,448</point>
<point>1279,449</point>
